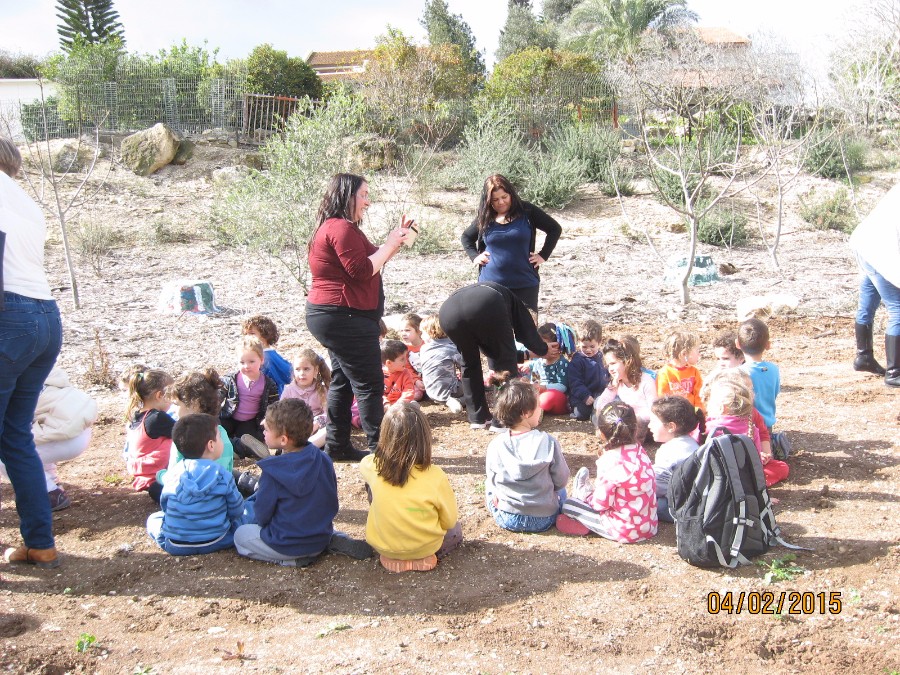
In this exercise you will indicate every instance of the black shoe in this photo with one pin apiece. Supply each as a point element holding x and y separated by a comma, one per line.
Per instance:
<point>349,454</point>
<point>347,545</point>
<point>246,482</point>
<point>865,355</point>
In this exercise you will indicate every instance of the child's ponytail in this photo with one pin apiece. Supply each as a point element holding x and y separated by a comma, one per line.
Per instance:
<point>617,422</point>
<point>323,376</point>
<point>140,382</point>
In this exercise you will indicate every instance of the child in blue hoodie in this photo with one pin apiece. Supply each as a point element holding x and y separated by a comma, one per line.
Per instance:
<point>201,505</point>
<point>296,501</point>
<point>588,376</point>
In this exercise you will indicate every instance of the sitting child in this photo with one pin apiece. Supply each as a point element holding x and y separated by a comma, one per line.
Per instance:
<point>552,374</point>
<point>413,518</point>
<point>753,341</point>
<point>729,405</point>
<point>248,393</point>
<point>631,342</point>
<point>292,513</point>
<point>680,375</point>
<point>588,376</point>
<point>628,383</point>
<point>526,470</point>
<point>193,393</point>
<point>312,377</point>
<point>411,335</point>
<point>672,421</point>
<point>726,351</point>
<point>149,435</point>
<point>622,504</point>
<point>274,366</point>
<point>439,361</point>
<point>201,505</point>
<point>399,384</point>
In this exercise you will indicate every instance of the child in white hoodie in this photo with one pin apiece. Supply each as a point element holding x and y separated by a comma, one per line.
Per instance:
<point>62,430</point>
<point>526,470</point>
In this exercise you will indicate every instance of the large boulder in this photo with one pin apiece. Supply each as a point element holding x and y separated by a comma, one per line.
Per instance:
<point>184,153</point>
<point>71,157</point>
<point>149,150</point>
<point>371,152</point>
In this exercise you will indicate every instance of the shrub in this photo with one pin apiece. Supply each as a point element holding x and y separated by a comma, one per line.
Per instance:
<point>826,159</point>
<point>18,66</point>
<point>669,184</point>
<point>550,181</point>
<point>272,71</point>
<point>617,174</point>
<point>723,226</point>
<point>831,213</point>
<point>534,71</point>
<point>95,242</point>
<point>274,211</point>
<point>593,146</point>
<point>491,144</point>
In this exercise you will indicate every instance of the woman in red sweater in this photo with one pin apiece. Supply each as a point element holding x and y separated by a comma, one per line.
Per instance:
<point>343,309</point>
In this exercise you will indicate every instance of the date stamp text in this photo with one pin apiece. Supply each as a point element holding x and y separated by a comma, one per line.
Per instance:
<point>774,603</point>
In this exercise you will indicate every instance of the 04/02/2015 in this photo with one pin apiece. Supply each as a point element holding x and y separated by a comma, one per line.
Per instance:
<point>769,602</point>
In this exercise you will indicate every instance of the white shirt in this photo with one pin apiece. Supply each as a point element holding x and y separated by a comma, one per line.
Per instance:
<point>23,257</point>
<point>877,238</point>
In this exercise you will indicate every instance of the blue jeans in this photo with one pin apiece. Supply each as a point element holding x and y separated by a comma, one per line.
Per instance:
<point>662,510</point>
<point>30,340</point>
<point>154,529</point>
<point>517,522</point>
<point>873,289</point>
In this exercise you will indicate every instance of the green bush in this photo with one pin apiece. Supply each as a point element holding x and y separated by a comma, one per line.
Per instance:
<point>831,213</point>
<point>617,174</point>
<point>669,184</point>
<point>18,66</point>
<point>272,71</point>
<point>826,159</point>
<point>491,144</point>
<point>550,180</point>
<point>592,146</point>
<point>274,211</point>
<point>723,226</point>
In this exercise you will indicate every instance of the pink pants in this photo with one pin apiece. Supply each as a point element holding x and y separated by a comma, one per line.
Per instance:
<point>553,402</point>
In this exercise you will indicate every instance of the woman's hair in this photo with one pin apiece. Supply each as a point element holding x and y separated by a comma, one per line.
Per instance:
<point>589,330</point>
<point>251,343</point>
<point>431,326</point>
<point>617,422</point>
<point>323,372</point>
<point>733,388</point>
<point>486,213</point>
<point>679,344</point>
<point>263,325</point>
<point>677,410</point>
<point>291,417</point>
<point>10,157</point>
<point>200,390</point>
<point>516,400</point>
<point>413,320</point>
<point>339,199</point>
<point>141,382</point>
<point>626,354</point>
<point>405,442</point>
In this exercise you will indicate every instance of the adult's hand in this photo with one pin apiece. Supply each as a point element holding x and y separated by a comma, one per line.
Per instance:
<point>536,260</point>
<point>553,350</point>
<point>482,259</point>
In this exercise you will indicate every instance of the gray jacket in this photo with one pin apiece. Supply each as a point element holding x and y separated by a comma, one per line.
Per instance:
<point>438,360</point>
<point>525,471</point>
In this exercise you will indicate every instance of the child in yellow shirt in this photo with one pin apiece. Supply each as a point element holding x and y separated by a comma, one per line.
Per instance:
<point>413,518</point>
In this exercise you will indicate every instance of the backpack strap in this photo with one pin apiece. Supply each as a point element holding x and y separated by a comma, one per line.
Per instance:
<point>726,448</point>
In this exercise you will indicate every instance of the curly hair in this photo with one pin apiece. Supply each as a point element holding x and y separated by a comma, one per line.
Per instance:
<point>263,325</point>
<point>291,417</point>
<point>727,340</point>
<point>431,326</point>
<point>201,391</point>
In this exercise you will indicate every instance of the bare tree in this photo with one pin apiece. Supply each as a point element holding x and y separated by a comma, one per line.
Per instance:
<point>686,95</point>
<point>61,188</point>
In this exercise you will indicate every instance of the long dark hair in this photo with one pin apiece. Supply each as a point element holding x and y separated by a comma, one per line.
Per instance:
<point>339,199</point>
<point>486,213</point>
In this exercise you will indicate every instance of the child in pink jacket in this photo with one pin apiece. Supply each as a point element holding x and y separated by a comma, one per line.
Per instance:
<point>622,504</point>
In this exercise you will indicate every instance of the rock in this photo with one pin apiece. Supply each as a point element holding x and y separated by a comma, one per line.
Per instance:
<point>254,160</point>
<point>676,226</point>
<point>372,153</point>
<point>71,157</point>
<point>229,174</point>
<point>184,153</point>
<point>727,269</point>
<point>149,150</point>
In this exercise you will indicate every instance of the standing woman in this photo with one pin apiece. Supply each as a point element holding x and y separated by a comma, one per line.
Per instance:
<point>343,309</point>
<point>502,239</point>
<point>876,242</point>
<point>30,340</point>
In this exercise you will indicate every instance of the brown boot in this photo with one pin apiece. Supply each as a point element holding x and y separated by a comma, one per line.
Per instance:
<point>45,558</point>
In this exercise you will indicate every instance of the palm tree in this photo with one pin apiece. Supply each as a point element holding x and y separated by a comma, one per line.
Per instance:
<point>613,28</point>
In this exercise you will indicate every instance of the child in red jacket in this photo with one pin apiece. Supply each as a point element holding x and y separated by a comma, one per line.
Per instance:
<point>399,384</point>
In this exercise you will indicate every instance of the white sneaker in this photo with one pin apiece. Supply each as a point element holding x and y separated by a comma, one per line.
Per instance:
<point>455,405</point>
<point>479,425</point>
<point>582,483</point>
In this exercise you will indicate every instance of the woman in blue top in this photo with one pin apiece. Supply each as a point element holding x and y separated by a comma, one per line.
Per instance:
<point>501,240</point>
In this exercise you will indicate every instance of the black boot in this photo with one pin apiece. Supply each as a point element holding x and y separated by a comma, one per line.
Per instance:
<point>865,356</point>
<point>246,482</point>
<point>892,349</point>
<point>349,454</point>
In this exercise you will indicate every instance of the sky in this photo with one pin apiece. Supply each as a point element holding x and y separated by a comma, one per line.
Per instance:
<point>301,26</point>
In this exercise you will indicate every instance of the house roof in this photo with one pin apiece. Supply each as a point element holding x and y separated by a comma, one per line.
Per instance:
<point>354,57</point>
<point>722,37</point>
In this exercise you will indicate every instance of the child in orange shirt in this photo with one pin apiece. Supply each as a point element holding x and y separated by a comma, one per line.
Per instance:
<point>680,375</point>
<point>399,384</point>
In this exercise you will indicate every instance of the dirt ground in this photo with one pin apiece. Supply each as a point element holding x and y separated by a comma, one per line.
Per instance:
<point>503,602</point>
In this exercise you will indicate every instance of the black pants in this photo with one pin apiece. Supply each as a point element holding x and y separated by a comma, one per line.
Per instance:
<point>529,296</point>
<point>235,429</point>
<point>477,319</point>
<point>353,344</point>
